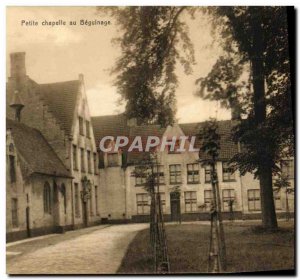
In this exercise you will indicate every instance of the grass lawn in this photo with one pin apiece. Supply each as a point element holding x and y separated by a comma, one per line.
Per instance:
<point>248,249</point>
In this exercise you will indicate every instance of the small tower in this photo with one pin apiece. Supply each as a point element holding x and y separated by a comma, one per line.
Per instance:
<point>17,105</point>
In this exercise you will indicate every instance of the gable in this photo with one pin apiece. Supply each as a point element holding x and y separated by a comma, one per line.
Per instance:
<point>61,99</point>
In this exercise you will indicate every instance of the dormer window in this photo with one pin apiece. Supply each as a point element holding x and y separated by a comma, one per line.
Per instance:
<point>112,159</point>
<point>81,131</point>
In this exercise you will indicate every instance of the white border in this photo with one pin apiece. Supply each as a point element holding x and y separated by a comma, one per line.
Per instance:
<point>5,3</point>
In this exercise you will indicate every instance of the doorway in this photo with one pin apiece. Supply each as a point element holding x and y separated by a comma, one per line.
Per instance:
<point>28,222</point>
<point>175,207</point>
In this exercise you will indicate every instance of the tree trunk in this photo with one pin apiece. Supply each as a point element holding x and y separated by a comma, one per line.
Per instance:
<point>268,212</point>
<point>287,208</point>
<point>265,172</point>
<point>217,203</point>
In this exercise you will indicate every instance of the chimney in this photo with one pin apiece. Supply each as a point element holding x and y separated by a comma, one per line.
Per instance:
<point>80,77</point>
<point>17,105</point>
<point>17,65</point>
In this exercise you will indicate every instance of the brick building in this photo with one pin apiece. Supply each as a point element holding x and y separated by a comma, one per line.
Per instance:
<point>185,185</point>
<point>57,117</point>
<point>58,180</point>
<point>36,184</point>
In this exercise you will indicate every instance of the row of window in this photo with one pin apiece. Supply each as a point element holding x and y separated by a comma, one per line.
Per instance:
<point>48,201</point>
<point>87,128</point>
<point>50,198</point>
<point>254,203</point>
<point>193,174</point>
<point>143,201</point>
<point>91,160</point>
<point>190,201</point>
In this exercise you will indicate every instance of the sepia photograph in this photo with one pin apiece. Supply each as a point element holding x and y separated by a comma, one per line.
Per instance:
<point>150,140</point>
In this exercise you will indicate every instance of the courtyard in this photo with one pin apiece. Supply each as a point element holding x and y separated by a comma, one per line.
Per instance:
<point>125,249</point>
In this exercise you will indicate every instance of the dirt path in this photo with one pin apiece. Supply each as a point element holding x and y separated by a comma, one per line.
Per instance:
<point>99,252</point>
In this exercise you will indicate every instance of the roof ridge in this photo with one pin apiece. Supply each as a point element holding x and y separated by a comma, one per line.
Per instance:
<point>56,83</point>
<point>113,115</point>
<point>204,122</point>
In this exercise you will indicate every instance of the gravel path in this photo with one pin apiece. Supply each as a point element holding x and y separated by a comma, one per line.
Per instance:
<point>99,252</point>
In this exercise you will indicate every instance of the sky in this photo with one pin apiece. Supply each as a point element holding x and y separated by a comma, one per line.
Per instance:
<point>61,53</point>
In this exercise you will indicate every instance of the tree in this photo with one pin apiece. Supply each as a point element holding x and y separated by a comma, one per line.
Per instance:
<point>154,39</point>
<point>148,169</point>
<point>253,40</point>
<point>208,155</point>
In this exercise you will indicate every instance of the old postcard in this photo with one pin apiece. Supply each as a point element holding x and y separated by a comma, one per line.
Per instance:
<point>150,140</point>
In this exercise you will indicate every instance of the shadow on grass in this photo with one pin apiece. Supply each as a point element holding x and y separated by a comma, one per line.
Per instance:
<point>248,250</point>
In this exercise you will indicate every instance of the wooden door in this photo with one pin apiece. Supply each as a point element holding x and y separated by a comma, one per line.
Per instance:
<point>175,206</point>
<point>28,222</point>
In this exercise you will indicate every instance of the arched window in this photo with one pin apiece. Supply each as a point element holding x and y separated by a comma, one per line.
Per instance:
<point>63,192</point>
<point>47,198</point>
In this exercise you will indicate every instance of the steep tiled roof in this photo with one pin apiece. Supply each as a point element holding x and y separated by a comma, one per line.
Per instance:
<point>61,98</point>
<point>112,125</point>
<point>115,125</point>
<point>35,150</point>
<point>227,147</point>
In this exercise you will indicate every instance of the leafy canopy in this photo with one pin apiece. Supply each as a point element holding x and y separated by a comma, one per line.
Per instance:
<point>154,39</point>
<point>262,143</point>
